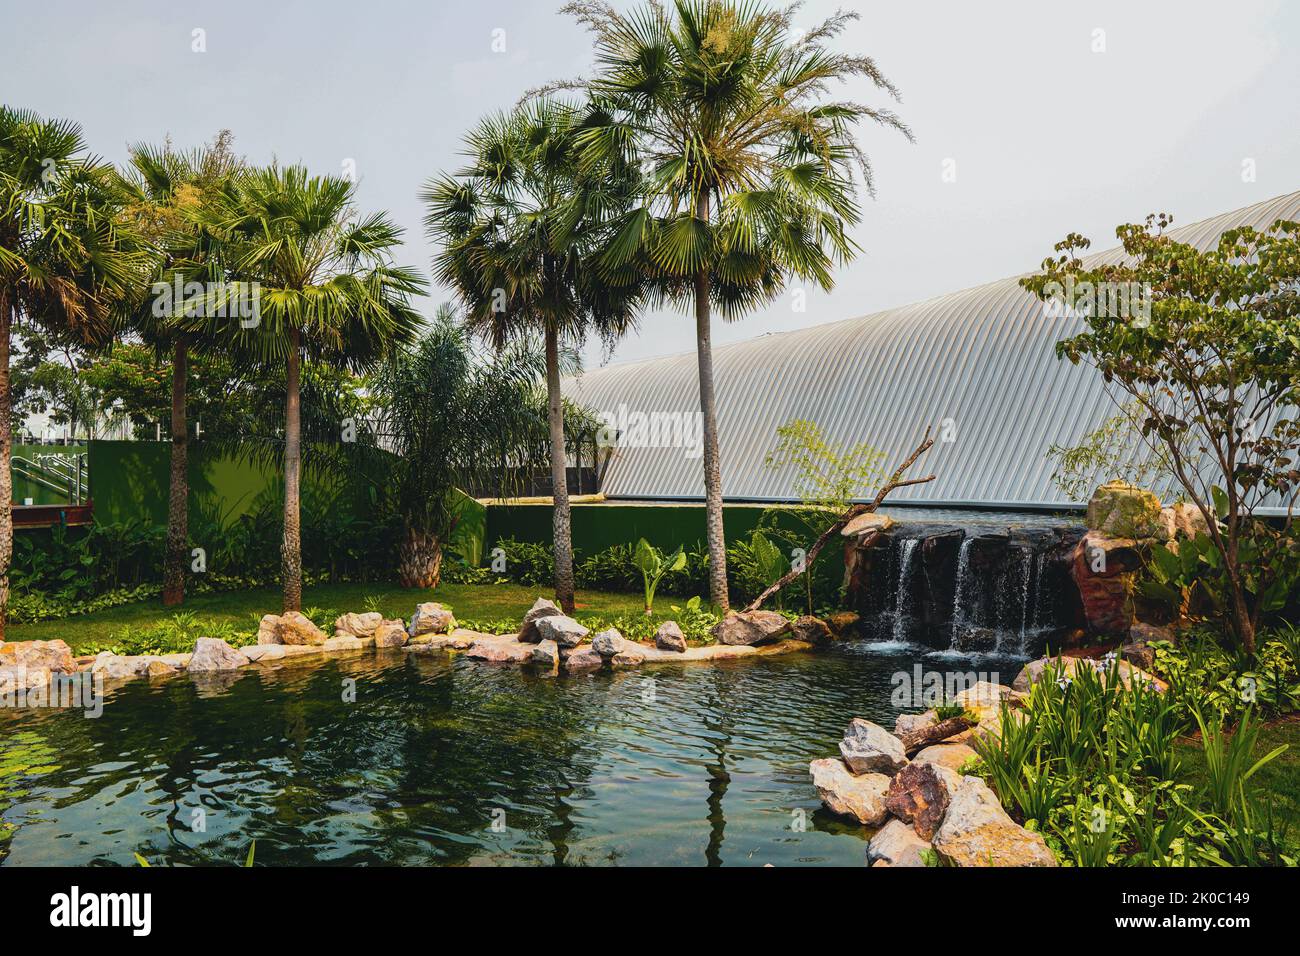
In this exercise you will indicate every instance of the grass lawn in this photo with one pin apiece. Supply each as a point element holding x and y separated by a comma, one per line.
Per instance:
<point>1280,777</point>
<point>482,602</point>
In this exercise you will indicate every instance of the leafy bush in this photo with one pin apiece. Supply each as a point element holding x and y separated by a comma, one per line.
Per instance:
<point>174,635</point>
<point>1223,683</point>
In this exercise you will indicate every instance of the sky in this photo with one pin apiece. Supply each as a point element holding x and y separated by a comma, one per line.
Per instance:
<point>1031,119</point>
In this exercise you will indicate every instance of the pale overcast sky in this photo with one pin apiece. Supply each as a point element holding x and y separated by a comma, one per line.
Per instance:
<point>1046,133</point>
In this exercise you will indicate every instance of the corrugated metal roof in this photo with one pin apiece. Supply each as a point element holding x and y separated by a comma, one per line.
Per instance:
<point>983,359</point>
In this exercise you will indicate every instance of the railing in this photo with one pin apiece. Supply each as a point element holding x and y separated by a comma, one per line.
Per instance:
<point>65,474</point>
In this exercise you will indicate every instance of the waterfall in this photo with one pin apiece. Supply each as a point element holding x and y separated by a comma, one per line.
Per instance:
<point>903,588</point>
<point>1029,588</point>
<point>959,591</point>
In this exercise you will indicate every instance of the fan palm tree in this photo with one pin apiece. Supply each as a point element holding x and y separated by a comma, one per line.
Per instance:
<point>66,261</point>
<point>518,228</point>
<point>167,189</point>
<point>325,289</point>
<point>749,165</point>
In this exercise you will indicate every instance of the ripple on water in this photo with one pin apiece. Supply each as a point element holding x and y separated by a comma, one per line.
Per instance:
<point>442,760</point>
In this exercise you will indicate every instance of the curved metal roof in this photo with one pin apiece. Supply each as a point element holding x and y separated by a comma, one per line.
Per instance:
<point>981,360</point>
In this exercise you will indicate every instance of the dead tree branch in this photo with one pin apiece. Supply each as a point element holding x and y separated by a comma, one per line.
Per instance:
<point>895,481</point>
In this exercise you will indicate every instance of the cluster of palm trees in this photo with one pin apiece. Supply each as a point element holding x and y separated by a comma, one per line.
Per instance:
<point>704,165</point>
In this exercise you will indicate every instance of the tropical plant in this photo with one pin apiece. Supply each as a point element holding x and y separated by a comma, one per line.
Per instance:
<point>448,417</point>
<point>749,165</point>
<point>168,189</point>
<point>65,258</point>
<point>517,228</point>
<point>326,290</point>
<point>1204,346</point>
<point>653,565</point>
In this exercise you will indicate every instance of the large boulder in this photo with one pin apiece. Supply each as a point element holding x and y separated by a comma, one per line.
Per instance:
<point>861,796</point>
<point>546,655</point>
<point>499,650</point>
<point>976,831</point>
<point>811,629</point>
<point>864,524</point>
<point>213,654</point>
<point>844,624</point>
<point>1187,520</point>
<point>1104,570</point>
<point>607,643</point>
<point>268,630</point>
<point>896,844</point>
<point>1120,510</point>
<point>1068,667</point>
<point>391,634</point>
<point>54,656</point>
<point>581,660</point>
<point>111,666</point>
<point>528,628</point>
<point>294,627</point>
<point>669,637</point>
<point>917,794</point>
<point>431,618</point>
<point>563,630</point>
<point>750,627</point>
<point>946,755</point>
<point>357,625</point>
<point>869,748</point>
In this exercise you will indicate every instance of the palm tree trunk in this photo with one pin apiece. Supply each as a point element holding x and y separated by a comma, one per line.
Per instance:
<point>291,550</point>
<point>708,410</point>
<point>6,450</point>
<point>562,527</point>
<point>419,560</point>
<point>178,497</point>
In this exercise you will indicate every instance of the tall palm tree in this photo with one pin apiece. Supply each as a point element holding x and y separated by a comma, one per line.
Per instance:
<point>518,227</point>
<point>66,261</point>
<point>749,165</point>
<point>167,190</point>
<point>326,289</point>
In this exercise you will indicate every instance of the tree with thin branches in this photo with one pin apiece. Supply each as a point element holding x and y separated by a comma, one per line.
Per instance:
<point>751,169</point>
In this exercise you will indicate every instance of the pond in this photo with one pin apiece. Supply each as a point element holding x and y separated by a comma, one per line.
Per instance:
<point>443,760</point>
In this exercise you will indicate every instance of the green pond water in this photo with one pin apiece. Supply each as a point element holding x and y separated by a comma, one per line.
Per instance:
<point>442,760</point>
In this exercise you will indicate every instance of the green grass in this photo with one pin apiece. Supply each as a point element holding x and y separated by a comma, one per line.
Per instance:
<point>1280,777</point>
<point>468,601</point>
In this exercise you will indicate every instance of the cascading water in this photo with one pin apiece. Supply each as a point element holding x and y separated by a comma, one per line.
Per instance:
<point>959,593</point>
<point>902,608</point>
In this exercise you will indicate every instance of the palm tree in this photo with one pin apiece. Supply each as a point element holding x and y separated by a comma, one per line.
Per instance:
<point>65,259</point>
<point>450,417</point>
<point>167,189</point>
<point>518,228</point>
<point>326,290</point>
<point>749,165</point>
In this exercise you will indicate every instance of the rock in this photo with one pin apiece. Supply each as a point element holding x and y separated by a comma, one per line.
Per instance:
<point>865,524</point>
<point>947,755</point>
<point>607,643</point>
<point>1121,510</point>
<point>431,618</point>
<point>750,627</point>
<point>974,639</point>
<point>859,796</point>
<point>112,667</point>
<point>358,625</point>
<point>976,831</point>
<point>918,796</point>
<point>545,654</point>
<point>896,844</point>
<point>1104,571</point>
<point>581,660</point>
<point>561,629</point>
<point>267,652</point>
<point>811,629</point>
<point>1187,520</point>
<point>268,630</point>
<point>344,642</point>
<point>669,637</point>
<point>541,608</point>
<point>868,747</point>
<point>16,677</point>
<point>844,624</point>
<point>294,627</point>
<point>393,633</point>
<point>214,654</point>
<point>54,655</point>
<point>628,656</point>
<point>911,723</point>
<point>155,669</point>
<point>499,650</point>
<point>1034,671</point>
